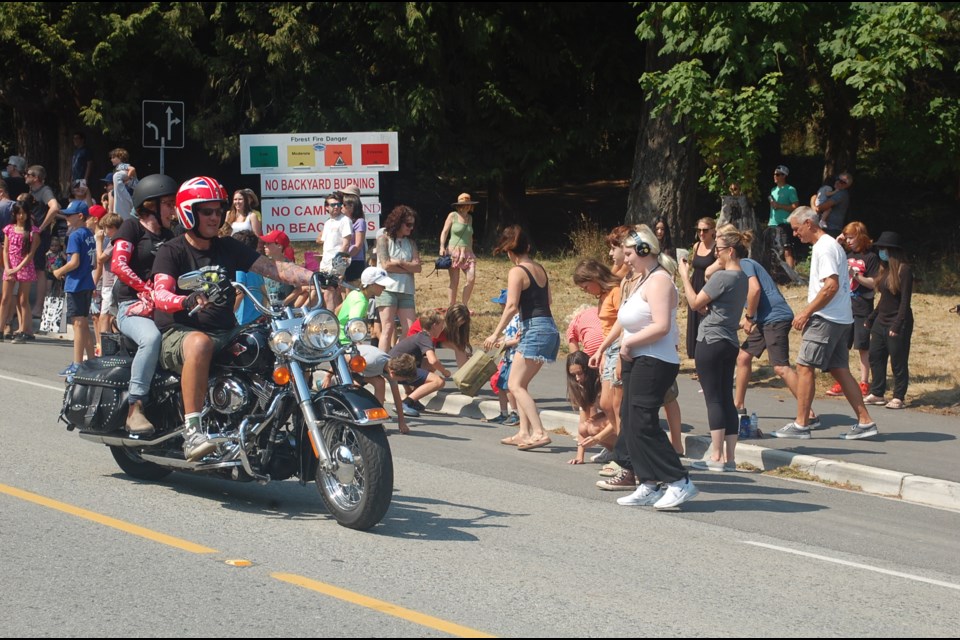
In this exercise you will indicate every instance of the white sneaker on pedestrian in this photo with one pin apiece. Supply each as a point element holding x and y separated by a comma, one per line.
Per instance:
<point>604,456</point>
<point>676,494</point>
<point>859,431</point>
<point>792,430</point>
<point>644,496</point>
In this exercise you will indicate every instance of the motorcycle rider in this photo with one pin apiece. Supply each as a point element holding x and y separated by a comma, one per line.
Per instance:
<point>190,342</point>
<point>134,248</point>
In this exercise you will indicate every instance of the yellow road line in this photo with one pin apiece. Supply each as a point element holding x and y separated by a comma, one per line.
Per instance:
<point>381,606</point>
<point>107,521</point>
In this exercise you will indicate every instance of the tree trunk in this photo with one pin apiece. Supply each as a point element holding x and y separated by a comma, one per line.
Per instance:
<point>841,130</point>
<point>664,179</point>
<point>38,140</point>
<point>505,202</point>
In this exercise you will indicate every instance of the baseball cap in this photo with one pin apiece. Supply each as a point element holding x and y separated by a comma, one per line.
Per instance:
<point>107,178</point>
<point>782,169</point>
<point>502,298</point>
<point>97,211</point>
<point>277,237</point>
<point>375,275</point>
<point>350,190</point>
<point>76,206</point>
<point>19,162</point>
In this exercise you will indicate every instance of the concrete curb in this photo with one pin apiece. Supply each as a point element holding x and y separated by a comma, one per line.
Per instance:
<point>873,480</point>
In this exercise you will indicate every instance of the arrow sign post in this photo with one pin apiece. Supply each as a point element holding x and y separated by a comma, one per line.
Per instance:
<point>163,126</point>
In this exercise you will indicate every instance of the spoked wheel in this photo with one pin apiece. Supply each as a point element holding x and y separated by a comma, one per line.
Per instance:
<point>135,466</point>
<point>359,488</point>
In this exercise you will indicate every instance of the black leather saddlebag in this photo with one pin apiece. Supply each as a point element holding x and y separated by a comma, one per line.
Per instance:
<point>96,395</point>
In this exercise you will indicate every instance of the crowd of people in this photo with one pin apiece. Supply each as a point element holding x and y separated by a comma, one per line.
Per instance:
<point>623,351</point>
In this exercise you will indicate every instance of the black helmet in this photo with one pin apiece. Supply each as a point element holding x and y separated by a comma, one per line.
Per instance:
<point>153,187</point>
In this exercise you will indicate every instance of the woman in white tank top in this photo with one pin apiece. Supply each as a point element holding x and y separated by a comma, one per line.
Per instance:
<point>650,363</point>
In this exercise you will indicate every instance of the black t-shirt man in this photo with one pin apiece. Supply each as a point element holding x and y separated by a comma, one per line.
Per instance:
<point>178,257</point>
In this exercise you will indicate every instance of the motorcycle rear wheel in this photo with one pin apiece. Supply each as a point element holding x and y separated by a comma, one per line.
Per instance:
<point>358,492</point>
<point>136,467</point>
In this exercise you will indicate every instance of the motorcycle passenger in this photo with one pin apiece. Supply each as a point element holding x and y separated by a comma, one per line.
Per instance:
<point>135,246</point>
<point>190,342</point>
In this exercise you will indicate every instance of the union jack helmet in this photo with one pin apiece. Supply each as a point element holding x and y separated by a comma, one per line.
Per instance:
<point>196,191</point>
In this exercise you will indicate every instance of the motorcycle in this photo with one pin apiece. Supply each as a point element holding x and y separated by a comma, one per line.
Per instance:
<point>267,419</point>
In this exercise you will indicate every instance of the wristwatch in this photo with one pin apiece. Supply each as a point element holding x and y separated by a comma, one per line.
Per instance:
<point>750,318</point>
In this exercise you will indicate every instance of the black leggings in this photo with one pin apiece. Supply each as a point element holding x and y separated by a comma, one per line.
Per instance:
<point>716,362</point>
<point>651,456</point>
<point>897,349</point>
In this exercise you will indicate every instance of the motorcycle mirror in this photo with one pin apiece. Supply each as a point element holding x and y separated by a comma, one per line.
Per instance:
<point>191,281</point>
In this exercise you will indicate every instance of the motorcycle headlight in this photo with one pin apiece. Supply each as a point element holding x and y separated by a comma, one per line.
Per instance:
<point>320,330</point>
<point>356,330</point>
<point>281,342</point>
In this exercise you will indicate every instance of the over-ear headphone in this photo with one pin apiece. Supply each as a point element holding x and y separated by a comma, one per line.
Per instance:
<point>641,247</point>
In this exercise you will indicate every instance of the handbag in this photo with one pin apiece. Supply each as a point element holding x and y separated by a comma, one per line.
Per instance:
<point>477,371</point>
<point>443,262</point>
<point>54,316</point>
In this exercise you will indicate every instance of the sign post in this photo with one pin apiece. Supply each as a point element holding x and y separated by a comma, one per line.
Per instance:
<point>163,126</point>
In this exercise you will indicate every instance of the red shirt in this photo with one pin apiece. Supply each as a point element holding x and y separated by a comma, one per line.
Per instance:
<point>586,331</point>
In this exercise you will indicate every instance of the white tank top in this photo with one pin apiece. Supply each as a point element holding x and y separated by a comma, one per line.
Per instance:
<point>635,315</point>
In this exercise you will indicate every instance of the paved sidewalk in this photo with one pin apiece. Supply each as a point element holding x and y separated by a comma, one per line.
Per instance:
<point>914,457</point>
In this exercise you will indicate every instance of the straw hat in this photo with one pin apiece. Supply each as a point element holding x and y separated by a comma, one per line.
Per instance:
<point>463,199</point>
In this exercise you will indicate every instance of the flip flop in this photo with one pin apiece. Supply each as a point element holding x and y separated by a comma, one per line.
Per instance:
<point>536,444</point>
<point>511,441</point>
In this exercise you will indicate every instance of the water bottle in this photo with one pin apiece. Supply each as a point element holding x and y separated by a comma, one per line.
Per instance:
<point>744,426</point>
<point>754,425</point>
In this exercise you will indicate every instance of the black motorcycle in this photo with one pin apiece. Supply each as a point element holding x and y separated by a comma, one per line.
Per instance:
<point>267,417</point>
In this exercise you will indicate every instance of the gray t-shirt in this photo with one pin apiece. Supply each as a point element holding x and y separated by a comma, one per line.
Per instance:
<point>838,213</point>
<point>728,294</point>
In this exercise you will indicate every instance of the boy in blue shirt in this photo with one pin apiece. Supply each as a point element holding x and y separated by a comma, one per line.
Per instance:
<point>77,275</point>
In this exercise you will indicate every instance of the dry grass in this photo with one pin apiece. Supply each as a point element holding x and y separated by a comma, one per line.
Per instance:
<point>795,473</point>
<point>934,373</point>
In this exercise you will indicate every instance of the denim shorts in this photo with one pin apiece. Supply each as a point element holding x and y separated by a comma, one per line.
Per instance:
<point>539,339</point>
<point>611,358</point>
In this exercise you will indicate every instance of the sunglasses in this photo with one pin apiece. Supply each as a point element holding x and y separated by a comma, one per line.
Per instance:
<point>408,224</point>
<point>717,249</point>
<point>333,205</point>
<point>208,211</point>
<point>32,175</point>
<point>703,230</point>
<point>777,173</point>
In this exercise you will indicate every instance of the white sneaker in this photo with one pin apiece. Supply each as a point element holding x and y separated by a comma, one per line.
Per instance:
<point>644,496</point>
<point>604,456</point>
<point>676,494</point>
<point>196,445</point>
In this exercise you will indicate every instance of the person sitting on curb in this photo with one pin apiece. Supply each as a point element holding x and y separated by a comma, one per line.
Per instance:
<point>427,379</point>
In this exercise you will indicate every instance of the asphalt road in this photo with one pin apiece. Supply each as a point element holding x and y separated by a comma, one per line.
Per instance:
<point>480,539</point>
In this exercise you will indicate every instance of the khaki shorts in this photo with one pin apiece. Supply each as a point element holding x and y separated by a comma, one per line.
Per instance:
<point>171,350</point>
<point>824,345</point>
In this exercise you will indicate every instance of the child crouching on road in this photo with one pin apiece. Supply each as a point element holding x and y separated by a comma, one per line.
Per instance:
<point>430,375</point>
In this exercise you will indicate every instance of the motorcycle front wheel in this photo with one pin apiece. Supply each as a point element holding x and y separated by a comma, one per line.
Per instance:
<point>135,466</point>
<point>359,489</point>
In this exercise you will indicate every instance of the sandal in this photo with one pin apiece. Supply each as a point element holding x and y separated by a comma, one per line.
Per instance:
<point>896,403</point>
<point>511,441</point>
<point>536,444</point>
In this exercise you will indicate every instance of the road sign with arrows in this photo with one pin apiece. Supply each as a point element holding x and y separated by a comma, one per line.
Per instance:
<point>163,124</point>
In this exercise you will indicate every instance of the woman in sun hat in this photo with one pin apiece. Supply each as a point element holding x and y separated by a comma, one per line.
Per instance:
<point>459,230</point>
<point>891,323</point>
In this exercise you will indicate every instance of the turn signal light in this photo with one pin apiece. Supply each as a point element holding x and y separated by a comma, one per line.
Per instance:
<point>358,364</point>
<point>281,375</point>
<point>377,414</point>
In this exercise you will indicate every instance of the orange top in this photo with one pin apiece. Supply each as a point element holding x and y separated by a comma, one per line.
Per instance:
<point>608,308</point>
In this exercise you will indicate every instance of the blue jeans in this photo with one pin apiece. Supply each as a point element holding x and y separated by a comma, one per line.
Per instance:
<point>144,332</point>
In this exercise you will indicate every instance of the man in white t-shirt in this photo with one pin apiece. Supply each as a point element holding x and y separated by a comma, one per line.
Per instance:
<point>826,323</point>
<point>335,238</point>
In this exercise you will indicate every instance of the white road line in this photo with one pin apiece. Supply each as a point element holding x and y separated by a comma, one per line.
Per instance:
<point>857,565</point>
<point>33,384</point>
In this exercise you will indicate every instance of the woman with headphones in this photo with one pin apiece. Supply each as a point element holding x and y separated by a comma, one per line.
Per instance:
<point>649,363</point>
